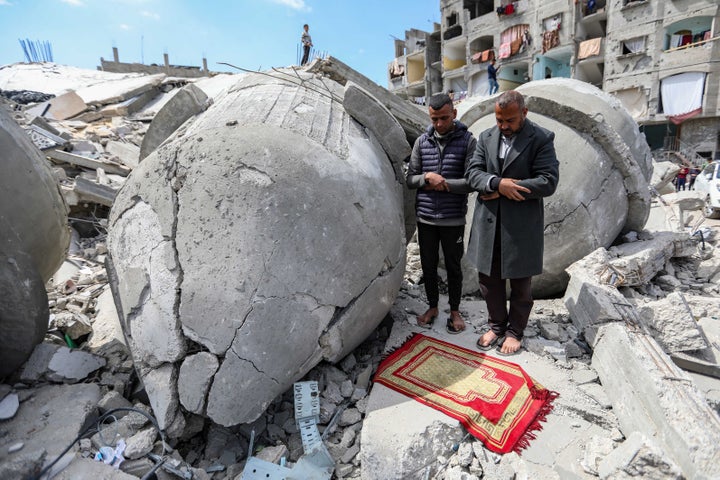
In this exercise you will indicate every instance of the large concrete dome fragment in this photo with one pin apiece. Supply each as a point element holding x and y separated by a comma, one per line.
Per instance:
<point>264,236</point>
<point>605,169</point>
<point>34,239</point>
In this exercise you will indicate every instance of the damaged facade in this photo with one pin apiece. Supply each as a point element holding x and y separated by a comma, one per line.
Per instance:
<point>655,56</point>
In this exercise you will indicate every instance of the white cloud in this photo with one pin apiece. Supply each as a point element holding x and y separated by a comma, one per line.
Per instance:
<point>152,15</point>
<point>5,3</point>
<point>125,26</point>
<point>295,4</point>
<point>74,3</point>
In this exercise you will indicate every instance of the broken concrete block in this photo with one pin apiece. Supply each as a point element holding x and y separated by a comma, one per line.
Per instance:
<point>639,457</point>
<point>672,324</point>
<point>87,162</point>
<point>413,120</point>
<point>89,191</point>
<point>596,449</point>
<point>47,422</point>
<point>141,443</point>
<point>106,325</point>
<point>37,364</point>
<point>636,263</point>
<point>652,396</point>
<point>62,107</point>
<point>590,303</point>
<point>593,133</point>
<point>9,406</point>
<point>115,91</point>
<point>196,373</point>
<point>161,387</point>
<point>126,153</point>
<point>394,444</point>
<point>189,101</point>
<point>71,366</point>
<point>129,106</point>
<point>89,468</point>
<point>264,162</point>
<point>373,115</point>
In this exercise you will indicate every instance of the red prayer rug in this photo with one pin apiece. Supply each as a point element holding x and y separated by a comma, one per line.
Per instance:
<point>495,400</point>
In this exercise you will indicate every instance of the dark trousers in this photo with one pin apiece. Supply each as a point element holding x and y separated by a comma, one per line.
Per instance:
<point>504,322</point>
<point>306,54</point>
<point>430,239</point>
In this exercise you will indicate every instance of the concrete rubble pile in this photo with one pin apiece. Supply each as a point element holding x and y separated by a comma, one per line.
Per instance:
<point>632,347</point>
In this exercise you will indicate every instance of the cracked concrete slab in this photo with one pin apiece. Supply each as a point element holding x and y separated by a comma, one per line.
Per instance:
<point>268,231</point>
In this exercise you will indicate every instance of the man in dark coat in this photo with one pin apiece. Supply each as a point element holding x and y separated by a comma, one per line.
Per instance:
<point>437,171</point>
<point>514,167</point>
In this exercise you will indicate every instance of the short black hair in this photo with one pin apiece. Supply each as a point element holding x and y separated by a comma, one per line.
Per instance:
<point>439,100</point>
<point>306,25</point>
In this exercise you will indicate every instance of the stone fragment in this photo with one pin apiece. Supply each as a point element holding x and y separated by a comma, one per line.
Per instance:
<point>140,444</point>
<point>70,366</point>
<point>189,101</point>
<point>161,387</point>
<point>46,422</point>
<point>9,406</point>
<point>639,457</point>
<point>654,397</point>
<point>196,373</point>
<point>672,324</point>
<point>596,449</point>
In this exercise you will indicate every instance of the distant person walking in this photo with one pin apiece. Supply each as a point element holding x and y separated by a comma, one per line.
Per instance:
<point>681,178</point>
<point>492,77</point>
<point>306,41</point>
<point>694,172</point>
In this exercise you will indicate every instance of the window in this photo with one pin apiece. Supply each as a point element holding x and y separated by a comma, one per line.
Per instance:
<point>478,8</point>
<point>514,40</point>
<point>633,45</point>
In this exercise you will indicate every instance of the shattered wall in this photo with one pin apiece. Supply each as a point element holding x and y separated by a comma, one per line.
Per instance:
<point>271,224</point>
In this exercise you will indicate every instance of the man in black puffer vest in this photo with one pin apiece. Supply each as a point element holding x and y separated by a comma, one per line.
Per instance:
<point>437,171</point>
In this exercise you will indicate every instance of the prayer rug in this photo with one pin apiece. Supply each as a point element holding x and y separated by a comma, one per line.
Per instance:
<point>495,400</point>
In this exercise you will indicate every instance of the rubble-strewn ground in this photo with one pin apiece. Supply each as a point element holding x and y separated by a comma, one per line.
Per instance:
<point>83,370</point>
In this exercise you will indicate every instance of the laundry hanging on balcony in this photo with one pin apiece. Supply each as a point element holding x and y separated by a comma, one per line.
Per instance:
<point>588,48</point>
<point>551,39</point>
<point>682,95</point>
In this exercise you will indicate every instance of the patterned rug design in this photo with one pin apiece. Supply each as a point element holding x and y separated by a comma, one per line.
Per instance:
<point>496,400</point>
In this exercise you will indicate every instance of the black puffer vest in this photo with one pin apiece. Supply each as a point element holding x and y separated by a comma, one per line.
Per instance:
<point>451,164</point>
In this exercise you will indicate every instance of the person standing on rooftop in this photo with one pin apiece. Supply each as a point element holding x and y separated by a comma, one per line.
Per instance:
<point>306,41</point>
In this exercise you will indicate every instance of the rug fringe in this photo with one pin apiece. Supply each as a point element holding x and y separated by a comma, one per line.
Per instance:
<point>385,355</point>
<point>548,396</point>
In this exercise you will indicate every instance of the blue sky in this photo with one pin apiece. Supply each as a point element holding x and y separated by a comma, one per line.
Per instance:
<point>253,34</point>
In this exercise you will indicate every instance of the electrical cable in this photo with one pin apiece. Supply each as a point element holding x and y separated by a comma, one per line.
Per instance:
<point>101,419</point>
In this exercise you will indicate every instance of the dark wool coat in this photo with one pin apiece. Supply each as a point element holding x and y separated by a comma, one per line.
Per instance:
<point>532,160</point>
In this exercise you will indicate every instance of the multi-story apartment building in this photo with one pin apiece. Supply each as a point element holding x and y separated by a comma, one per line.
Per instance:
<point>660,58</point>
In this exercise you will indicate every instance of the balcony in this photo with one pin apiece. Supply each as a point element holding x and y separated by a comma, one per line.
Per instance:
<point>700,52</point>
<point>591,51</point>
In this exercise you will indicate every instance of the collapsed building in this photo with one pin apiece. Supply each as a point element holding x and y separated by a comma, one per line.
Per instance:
<point>212,179</point>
